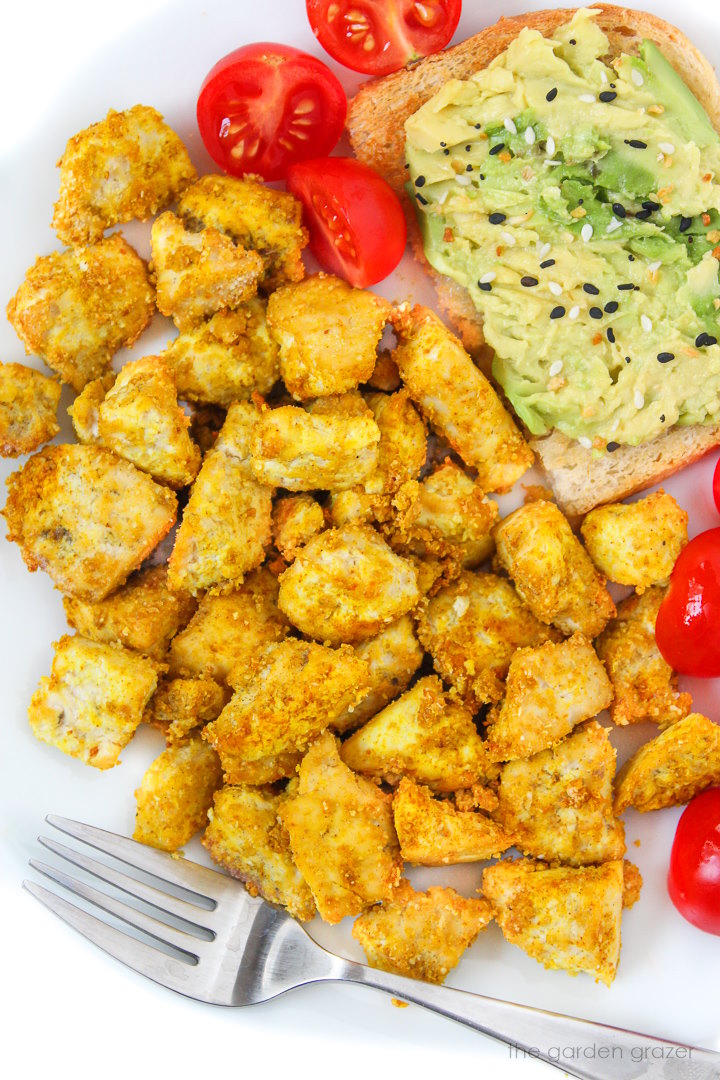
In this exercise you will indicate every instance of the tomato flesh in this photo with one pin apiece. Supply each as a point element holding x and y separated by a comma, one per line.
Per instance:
<point>265,106</point>
<point>380,36</point>
<point>716,484</point>
<point>356,223</point>
<point>688,623</point>
<point>694,874</point>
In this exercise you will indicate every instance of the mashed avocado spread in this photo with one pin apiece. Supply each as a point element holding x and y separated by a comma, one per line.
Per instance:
<point>578,203</point>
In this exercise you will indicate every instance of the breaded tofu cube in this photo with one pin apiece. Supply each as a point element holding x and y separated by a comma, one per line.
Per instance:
<point>550,688</point>
<point>93,701</point>
<point>403,442</point>
<point>226,524</point>
<point>129,165</point>
<point>85,409</point>
<point>385,376</point>
<point>142,614</point>
<point>558,804</point>
<point>351,507</point>
<point>392,657</point>
<point>458,400</point>
<point>255,216</point>
<point>422,735</point>
<point>328,334</point>
<point>140,419</point>
<point>179,706</point>
<point>645,687</point>
<point>433,833</point>
<point>295,520</point>
<point>636,543</point>
<point>86,517</point>
<point>302,451</point>
<point>228,358</point>
<point>551,570</point>
<point>565,917</point>
<point>199,273</point>
<point>245,837</point>
<point>341,834</point>
<point>346,585</point>
<point>282,702</point>
<point>75,309</point>
<point>669,770</point>
<point>28,409</point>
<point>421,934</point>
<point>230,630</point>
<point>471,628</point>
<point>176,793</point>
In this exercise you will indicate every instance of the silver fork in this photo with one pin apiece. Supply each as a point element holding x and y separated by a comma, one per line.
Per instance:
<point>239,950</point>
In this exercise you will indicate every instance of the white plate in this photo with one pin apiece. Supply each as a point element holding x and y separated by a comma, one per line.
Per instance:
<point>66,999</point>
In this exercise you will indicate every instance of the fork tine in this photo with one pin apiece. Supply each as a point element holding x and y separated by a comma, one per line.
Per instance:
<point>147,893</point>
<point>143,958</point>
<point>206,884</point>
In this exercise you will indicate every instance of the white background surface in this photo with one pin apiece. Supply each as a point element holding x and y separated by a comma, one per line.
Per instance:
<point>66,1008</point>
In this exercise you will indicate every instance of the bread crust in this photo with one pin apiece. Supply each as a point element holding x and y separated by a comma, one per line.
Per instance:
<point>376,119</point>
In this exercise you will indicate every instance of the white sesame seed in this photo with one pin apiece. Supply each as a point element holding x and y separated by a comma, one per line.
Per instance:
<point>550,145</point>
<point>660,158</point>
<point>615,426</point>
<point>509,125</point>
<point>637,77</point>
<point>646,323</point>
<point>584,441</point>
<point>586,232</point>
<point>551,161</point>
<point>603,76</point>
<point>667,147</point>
<point>588,98</point>
<point>614,224</point>
<point>554,288</point>
<point>463,180</point>
<point>652,267</point>
<point>543,251</point>
<point>638,400</point>
<point>574,312</point>
<point>555,368</point>
<point>508,238</point>
<point>443,197</point>
<point>529,135</point>
<point>487,278</point>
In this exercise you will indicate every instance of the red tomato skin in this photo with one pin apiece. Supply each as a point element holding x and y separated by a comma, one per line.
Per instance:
<point>343,196</point>
<point>716,485</point>
<point>394,29</point>
<point>688,623</point>
<point>694,873</point>
<point>268,75</point>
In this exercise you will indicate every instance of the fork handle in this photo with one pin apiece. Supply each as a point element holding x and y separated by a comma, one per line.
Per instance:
<point>581,1048</point>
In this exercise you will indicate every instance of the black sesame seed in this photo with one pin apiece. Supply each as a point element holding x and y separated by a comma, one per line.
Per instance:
<point>551,94</point>
<point>446,152</point>
<point>631,258</point>
<point>611,335</point>
<point>572,41</point>
<point>443,144</point>
<point>557,312</point>
<point>691,239</point>
<point>711,340</point>
<point>468,168</point>
<point>665,357</point>
<point>528,281</point>
<point>619,210</point>
<point>637,144</point>
<point>595,313</point>
<point>407,165</point>
<point>421,199</point>
<point>626,286</point>
<point>484,285</point>
<point>496,219</point>
<point>650,205</point>
<point>478,126</point>
<point>482,175</point>
<point>548,262</point>
<point>662,418</point>
<point>611,306</point>
<point>685,223</point>
<point>607,95</point>
<point>420,181</point>
<point>636,287</point>
<point>592,289</point>
<point>612,84</point>
<point>580,202</point>
<point>497,148</point>
<point>627,359</point>
<point>643,215</point>
<point>701,340</point>
<point>612,447</point>
<point>468,148</point>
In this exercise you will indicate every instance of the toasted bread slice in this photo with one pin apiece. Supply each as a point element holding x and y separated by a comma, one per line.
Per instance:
<point>376,125</point>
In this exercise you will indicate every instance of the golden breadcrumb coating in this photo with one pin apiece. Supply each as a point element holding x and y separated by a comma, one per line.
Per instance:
<point>458,400</point>
<point>228,358</point>
<point>328,335</point>
<point>351,507</point>
<point>403,442</point>
<point>422,735</point>
<point>471,628</point>
<point>636,543</point>
<point>225,527</point>
<point>176,793</point>
<point>421,934</point>
<point>558,804</point>
<point>255,216</point>
<point>632,884</point>
<point>282,702</point>
<point>566,918</point>
<point>93,701</point>
<point>28,409</point>
<point>199,273</point>
<point>644,685</point>
<point>347,585</point>
<point>670,769</point>
<point>86,517</point>
<point>142,614</point>
<point>129,165</point>
<point>550,688</point>
<point>75,309</point>
<point>392,657</point>
<point>245,837</point>
<point>341,834</point>
<point>477,797</point>
<point>551,570</point>
<point>179,706</point>
<point>295,520</point>
<point>301,450</point>
<point>433,833</point>
<point>85,409</point>
<point>385,376</point>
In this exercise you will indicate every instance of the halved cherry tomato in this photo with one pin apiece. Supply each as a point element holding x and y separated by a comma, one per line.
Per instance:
<point>694,874</point>
<point>716,484</point>
<point>356,223</point>
<point>380,36</point>
<point>688,623</point>
<point>265,106</point>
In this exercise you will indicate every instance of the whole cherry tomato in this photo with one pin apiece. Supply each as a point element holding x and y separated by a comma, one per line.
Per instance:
<point>716,484</point>
<point>356,223</point>
<point>265,106</point>
<point>380,36</point>
<point>688,623</point>
<point>694,874</point>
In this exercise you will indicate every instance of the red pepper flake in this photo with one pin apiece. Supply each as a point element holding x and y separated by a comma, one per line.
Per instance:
<point>505,156</point>
<point>499,251</point>
<point>448,236</point>
<point>716,252</point>
<point>707,177</point>
<point>705,219</point>
<point>597,339</point>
